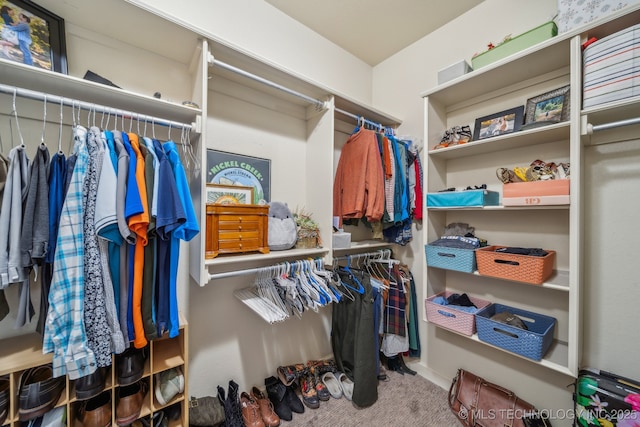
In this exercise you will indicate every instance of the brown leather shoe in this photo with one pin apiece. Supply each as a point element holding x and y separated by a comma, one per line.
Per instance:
<point>130,402</point>
<point>96,412</point>
<point>250,411</point>
<point>270,418</point>
<point>39,392</point>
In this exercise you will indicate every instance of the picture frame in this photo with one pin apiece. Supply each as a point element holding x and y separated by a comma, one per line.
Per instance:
<point>47,33</point>
<point>548,108</point>
<point>237,169</point>
<point>229,194</point>
<point>501,123</point>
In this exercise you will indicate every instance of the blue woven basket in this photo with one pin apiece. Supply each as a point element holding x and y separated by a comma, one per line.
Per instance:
<point>451,258</point>
<point>533,343</point>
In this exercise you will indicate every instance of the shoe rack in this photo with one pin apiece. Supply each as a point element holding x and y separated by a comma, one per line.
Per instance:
<point>24,352</point>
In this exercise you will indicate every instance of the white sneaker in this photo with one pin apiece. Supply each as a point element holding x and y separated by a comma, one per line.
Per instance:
<point>169,383</point>
<point>346,384</point>
<point>333,385</point>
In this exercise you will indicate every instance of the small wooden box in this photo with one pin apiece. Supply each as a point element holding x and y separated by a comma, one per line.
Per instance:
<point>236,228</point>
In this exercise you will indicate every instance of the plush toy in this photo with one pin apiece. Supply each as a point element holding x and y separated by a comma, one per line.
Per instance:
<point>283,232</point>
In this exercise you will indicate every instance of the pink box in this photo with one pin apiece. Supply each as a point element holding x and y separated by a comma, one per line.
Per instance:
<point>448,317</point>
<point>551,192</point>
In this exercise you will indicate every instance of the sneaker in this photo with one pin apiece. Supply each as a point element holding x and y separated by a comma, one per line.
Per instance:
<point>332,384</point>
<point>169,383</point>
<point>346,384</point>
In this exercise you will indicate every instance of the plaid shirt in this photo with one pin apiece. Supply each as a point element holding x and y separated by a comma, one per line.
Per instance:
<point>64,333</point>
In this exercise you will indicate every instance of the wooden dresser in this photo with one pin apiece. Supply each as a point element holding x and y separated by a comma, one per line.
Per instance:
<point>236,228</point>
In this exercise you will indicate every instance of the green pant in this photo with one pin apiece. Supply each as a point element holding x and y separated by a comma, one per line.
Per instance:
<point>354,339</point>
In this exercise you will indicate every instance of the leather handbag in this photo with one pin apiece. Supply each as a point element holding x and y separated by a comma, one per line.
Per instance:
<point>206,411</point>
<point>479,403</point>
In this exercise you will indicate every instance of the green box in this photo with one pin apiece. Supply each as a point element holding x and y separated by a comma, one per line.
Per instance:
<point>516,44</point>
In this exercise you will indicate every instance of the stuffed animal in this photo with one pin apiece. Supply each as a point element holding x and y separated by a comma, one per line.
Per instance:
<point>283,232</point>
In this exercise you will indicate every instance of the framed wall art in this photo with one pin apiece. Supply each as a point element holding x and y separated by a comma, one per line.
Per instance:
<point>548,108</point>
<point>229,194</point>
<point>506,121</point>
<point>31,35</point>
<point>237,169</point>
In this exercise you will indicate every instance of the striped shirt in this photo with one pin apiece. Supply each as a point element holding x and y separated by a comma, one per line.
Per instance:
<point>64,333</point>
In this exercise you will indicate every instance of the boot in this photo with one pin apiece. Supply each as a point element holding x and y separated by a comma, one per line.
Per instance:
<point>309,393</point>
<point>250,411</point>
<point>288,374</point>
<point>293,401</point>
<point>322,366</point>
<point>270,418</point>
<point>394,365</point>
<point>277,393</point>
<point>321,389</point>
<point>232,412</point>
<point>234,400</point>
<point>404,367</point>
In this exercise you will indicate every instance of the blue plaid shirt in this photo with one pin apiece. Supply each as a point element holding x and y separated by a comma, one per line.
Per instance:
<point>64,333</point>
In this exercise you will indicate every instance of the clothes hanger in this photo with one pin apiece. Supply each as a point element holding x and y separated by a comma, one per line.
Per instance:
<point>347,269</point>
<point>44,120</point>
<point>15,113</point>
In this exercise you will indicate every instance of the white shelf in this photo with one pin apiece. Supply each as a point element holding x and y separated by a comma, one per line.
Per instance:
<point>273,256</point>
<point>362,246</point>
<point>555,132</point>
<point>559,280</point>
<point>500,208</point>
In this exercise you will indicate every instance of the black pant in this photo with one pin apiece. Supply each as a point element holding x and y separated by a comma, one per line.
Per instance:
<point>353,339</point>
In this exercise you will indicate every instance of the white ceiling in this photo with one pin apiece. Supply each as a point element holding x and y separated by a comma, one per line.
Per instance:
<point>373,30</point>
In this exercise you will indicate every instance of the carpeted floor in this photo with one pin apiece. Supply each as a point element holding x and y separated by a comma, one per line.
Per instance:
<point>403,401</point>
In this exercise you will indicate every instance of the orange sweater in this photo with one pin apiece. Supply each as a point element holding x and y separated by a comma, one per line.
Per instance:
<point>358,187</point>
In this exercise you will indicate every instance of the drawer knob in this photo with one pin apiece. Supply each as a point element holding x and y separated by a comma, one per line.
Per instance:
<point>240,219</point>
<point>240,245</point>
<point>239,227</point>
<point>240,237</point>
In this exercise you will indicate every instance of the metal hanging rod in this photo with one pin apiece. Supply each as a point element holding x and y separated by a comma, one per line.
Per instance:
<point>270,268</point>
<point>628,122</point>
<point>41,96</point>
<point>356,256</point>
<point>320,105</point>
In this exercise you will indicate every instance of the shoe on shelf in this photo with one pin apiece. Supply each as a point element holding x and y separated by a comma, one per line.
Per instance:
<point>96,412</point>
<point>173,412</point>
<point>169,383</point>
<point>277,394</point>
<point>130,365</point>
<point>270,418</point>
<point>332,384</point>
<point>293,401</point>
<point>308,390</point>
<point>250,411</point>
<point>4,399</point>
<point>90,385</point>
<point>291,373</point>
<point>39,392</point>
<point>130,398</point>
<point>346,384</point>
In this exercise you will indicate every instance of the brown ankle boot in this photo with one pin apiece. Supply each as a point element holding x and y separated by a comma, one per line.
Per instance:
<point>250,411</point>
<point>270,418</point>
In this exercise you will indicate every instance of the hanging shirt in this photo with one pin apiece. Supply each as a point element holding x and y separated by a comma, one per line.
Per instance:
<point>185,231</point>
<point>64,330</point>
<point>170,215</point>
<point>358,187</point>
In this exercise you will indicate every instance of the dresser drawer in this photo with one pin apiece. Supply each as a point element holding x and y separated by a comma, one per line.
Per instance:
<point>236,229</point>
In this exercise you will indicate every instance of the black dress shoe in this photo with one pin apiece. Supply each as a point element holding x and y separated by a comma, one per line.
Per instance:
<point>4,399</point>
<point>130,365</point>
<point>404,367</point>
<point>90,385</point>
<point>39,392</point>
<point>276,392</point>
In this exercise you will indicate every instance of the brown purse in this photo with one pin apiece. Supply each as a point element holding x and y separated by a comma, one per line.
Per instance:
<point>479,403</point>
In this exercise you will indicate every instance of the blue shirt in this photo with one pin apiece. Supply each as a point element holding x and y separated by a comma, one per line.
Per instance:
<point>185,231</point>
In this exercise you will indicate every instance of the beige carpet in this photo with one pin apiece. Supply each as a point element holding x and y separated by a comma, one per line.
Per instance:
<point>403,401</point>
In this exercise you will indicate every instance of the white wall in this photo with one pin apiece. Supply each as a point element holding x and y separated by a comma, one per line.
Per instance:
<point>264,31</point>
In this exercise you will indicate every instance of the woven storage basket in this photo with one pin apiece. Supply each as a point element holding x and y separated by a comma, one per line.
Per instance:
<point>532,343</point>
<point>451,258</point>
<point>521,268</point>
<point>450,318</point>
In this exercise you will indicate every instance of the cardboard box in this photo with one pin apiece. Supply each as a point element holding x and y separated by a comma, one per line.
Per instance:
<point>453,71</point>
<point>551,192</point>
<point>341,240</point>
<point>516,44</point>
<point>463,199</point>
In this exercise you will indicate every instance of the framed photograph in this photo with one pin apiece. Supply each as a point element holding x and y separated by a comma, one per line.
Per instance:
<point>548,108</point>
<point>229,194</point>
<point>236,169</point>
<point>32,35</point>
<point>498,124</point>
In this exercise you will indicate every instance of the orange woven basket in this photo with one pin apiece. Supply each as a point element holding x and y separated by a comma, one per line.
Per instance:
<point>520,268</point>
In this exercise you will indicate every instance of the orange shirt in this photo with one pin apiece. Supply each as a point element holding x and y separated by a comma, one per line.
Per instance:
<point>139,224</point>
